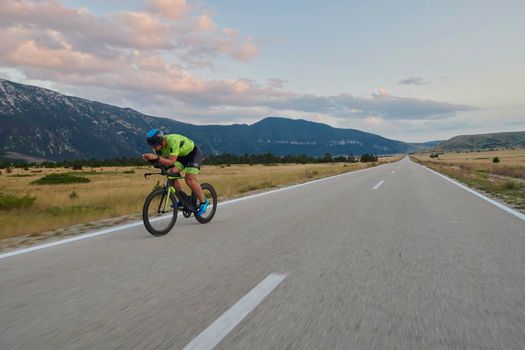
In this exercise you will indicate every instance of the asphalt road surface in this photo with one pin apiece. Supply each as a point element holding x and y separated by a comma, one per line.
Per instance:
<point>393,257</point>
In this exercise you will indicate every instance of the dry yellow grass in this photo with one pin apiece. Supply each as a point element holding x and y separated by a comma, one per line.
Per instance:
<point>504,180</point>
<point>113,193</point>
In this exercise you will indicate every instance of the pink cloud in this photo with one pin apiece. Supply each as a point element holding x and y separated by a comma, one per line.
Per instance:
<point>172,9</point>
<point>230,32</point>
<point>246,51</point>
<point>167,25</point>
<point>205,23</point>
<point>146,31</point>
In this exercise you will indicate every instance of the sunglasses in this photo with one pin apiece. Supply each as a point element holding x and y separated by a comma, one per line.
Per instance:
<point>154,143</point>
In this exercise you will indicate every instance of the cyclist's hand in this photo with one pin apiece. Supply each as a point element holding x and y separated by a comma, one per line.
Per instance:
<point>149,156</point>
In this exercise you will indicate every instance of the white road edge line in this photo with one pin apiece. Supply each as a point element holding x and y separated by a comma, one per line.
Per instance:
<point>215,332</point>
<point>138,223</point>
<point>468,189</point>
<point>378,185</point>
<point>393,171</point>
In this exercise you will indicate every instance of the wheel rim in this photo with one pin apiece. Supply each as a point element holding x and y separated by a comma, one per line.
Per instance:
<point>158,217</point>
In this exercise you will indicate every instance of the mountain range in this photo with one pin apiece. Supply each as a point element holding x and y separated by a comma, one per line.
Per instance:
<point>37,123</point>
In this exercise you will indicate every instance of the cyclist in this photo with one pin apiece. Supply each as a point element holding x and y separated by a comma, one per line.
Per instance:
<point>182,153</point>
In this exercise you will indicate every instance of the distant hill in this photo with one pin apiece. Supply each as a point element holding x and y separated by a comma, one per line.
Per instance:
<point>37,123</point>
<point>484,141</point>
<point>425,146</point>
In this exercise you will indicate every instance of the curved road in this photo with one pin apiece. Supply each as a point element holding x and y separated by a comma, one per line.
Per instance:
<point>393,257</point>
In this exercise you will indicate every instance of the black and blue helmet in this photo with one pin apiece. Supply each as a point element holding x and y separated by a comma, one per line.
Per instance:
<point>154,137</point>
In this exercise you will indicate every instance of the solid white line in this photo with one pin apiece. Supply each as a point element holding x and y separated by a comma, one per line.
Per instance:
<point>378,185</point>
<point>138,223</point>
<point>468,189</point>
<point>68,240</point>
<point>215,332</point>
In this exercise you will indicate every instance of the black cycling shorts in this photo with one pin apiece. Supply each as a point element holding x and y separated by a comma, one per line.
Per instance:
<point>191,162</point>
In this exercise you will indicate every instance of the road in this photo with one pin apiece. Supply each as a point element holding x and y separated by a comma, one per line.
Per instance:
<point>393,257</point>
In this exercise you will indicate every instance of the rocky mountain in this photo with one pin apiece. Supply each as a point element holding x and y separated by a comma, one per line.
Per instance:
<point>484,141</point>
<point>44,124</point>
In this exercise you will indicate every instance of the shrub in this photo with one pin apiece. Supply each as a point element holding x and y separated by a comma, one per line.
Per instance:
<point>56,179</point>
<point>311,173</point>
<point>9,201</point>
<point>129,172</point>
<point>495,160</point>
<point>365,158</point>
<point>434,155</point>
<point>77,167</point>
<point>509,185</point>
<point>73,195</point>
<point>352,159</point>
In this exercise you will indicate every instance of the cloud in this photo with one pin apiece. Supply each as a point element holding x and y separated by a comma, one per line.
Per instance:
<point>172,9</point>
<point>413,81</point>
<point>143,57</point>
<point>382,104</point>
<point>169,26</point>
<point>205,23</point>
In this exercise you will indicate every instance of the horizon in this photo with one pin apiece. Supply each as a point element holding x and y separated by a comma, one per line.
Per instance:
<point>267,117</point>
<point>430,73</point>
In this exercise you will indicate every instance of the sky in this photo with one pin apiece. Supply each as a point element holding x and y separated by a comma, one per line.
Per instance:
<point>413,71</point>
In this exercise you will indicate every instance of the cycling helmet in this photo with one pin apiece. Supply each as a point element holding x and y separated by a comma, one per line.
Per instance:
<point>154,137</point>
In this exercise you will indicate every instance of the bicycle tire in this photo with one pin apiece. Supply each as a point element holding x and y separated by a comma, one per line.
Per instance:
<point>145,216</point>
<point>202,219</point>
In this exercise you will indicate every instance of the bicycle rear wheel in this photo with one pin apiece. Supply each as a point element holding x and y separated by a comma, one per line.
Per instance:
<point>211,195</point>
<point>158,219</point>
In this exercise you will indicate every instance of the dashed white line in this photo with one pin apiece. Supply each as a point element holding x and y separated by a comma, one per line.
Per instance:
<point>215,332</point>
<point>378,185</point>
<point>393,171</point>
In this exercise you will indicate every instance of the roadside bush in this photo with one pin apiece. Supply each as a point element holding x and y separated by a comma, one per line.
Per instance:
<point>365,158</point>
<point>10,201</point>
<point>77,167</point>
<point>57,179</point>
<point>129,171</point>
<point>510,185</point>
<point>73,195</point>
<point>495,160</point>
<point>352,159</point>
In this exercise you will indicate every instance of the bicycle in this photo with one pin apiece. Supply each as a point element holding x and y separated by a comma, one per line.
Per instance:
<point>158,209</point>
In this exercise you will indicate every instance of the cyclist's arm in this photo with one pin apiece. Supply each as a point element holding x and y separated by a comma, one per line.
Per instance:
<point>168,161</point>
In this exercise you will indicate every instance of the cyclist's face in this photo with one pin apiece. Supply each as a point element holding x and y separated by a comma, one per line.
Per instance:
<point>157,146</point>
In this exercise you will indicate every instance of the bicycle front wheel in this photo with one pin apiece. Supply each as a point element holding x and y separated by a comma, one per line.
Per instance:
<point>159,212</point>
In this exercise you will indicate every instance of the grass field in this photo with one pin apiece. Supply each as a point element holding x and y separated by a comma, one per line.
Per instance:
<point>504,180</point>
<point>117,191</point>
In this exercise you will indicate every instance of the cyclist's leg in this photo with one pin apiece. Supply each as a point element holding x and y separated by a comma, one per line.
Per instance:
<point>193,163</point>
<point>176,183</point>
<point>191,181</point>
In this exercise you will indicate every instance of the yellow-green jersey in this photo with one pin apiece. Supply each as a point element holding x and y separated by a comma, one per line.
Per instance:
<point>177,145</point>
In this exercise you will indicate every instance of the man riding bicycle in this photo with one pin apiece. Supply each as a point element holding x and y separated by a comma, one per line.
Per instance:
<point>181,153</point>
